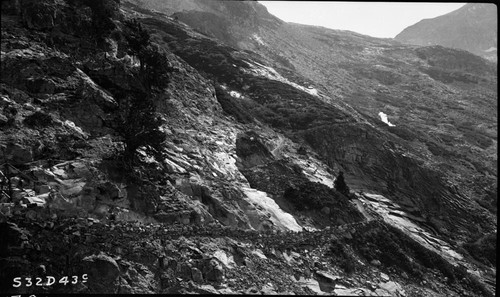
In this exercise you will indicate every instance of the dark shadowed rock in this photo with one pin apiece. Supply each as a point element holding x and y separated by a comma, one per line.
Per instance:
<point>13,238</point>
<point>103,272</point>
<point>196,275</point>
<point>251,150</point>
<point>3,119</point>
<point>213,271</point>
<point>18,154</point>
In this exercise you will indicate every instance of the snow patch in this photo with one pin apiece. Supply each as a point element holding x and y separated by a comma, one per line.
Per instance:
<point>278,216</point>
<point>383,117</point>
<point>270,73</point>
<point>491,49</point>
<point>312,91</point>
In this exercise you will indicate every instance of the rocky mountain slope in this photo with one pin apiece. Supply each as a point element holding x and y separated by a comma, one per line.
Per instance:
<point>472,27</point>
<point>350,78</point>
<point>145,155</point>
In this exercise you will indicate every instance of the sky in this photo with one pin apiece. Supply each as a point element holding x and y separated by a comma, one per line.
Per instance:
<point>377,19</point>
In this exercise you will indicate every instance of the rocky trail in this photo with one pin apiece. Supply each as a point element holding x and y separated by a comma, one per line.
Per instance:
<point>154,258</point>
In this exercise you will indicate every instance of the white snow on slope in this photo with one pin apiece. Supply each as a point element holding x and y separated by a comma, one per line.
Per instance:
<point>270,73</point>
<point>383,117</point>
<point>278,216</point>
<point>312,91</point>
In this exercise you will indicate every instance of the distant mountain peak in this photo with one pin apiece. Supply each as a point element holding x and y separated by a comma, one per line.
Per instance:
<point>472,27</point>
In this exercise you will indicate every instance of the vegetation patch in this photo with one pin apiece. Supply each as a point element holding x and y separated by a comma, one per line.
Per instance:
<point>233,106</point>
<point>316,196</point>
<point>484,249</point>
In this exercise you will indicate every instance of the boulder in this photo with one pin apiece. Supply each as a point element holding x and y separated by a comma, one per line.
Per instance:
<point>391,287</point>
<point>327,277</point>
<point>268,289</point>
<point>29,106</point>
<point>86,201</point>
<point>17,195</point>
<point>81,170</point>
<point>72,187</point>
<point>90,91</point>
<point>43,189</point>
<point>252,291</point>
<point>224,259</point>
<point>18,154</point>
<point>58,201</point>
<point>40,200</point>
<point>184,271</point>
<point>213,271</point>
<point>5,209</point>
<point>102,210</point>
<point>110,191</point>
<point>138,278</point>
<point>207,289</point>
<point>103,271</point>
<point>196,275</point>
<point>75,130</point>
